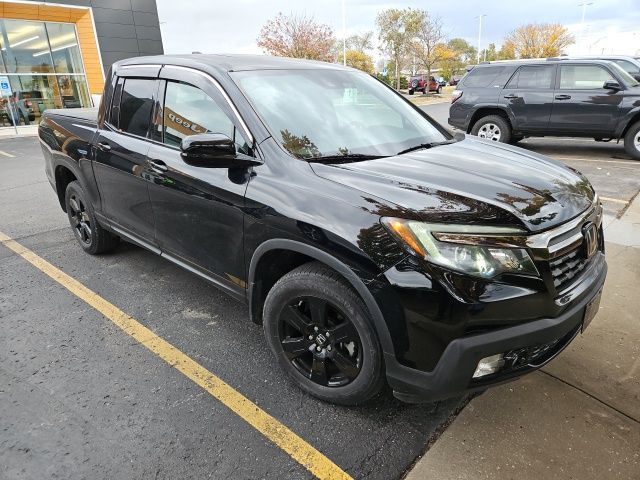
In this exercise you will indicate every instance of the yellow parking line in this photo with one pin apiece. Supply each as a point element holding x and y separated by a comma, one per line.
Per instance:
<point>6,154</point>
<point>616,200</point>
<point>301,451</point>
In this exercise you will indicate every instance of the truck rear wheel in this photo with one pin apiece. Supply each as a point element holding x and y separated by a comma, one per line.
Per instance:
<point>320,332</point>
<point>632,141</point>
<point>492,127</point>
<point>90,235</point>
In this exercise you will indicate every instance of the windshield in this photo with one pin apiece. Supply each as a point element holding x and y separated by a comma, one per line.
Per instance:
<point>628,66</point>
<point>626,78</point>
<point>324,113</point>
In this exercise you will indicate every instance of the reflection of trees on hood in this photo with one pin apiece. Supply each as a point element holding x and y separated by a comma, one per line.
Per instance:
<point>301,147</point>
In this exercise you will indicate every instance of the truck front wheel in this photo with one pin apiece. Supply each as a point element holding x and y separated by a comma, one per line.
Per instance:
<point>320,332</point>
<point>90,235</point>
<point>632,141</point>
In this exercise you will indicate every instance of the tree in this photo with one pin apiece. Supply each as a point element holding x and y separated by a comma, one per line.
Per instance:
<point>359,60</point>
<point>395,30</point>
<point>464,54</point>
<point>536,40</point>
<point>296,36</point>
<point>427,45</point>
<point>360,42</point>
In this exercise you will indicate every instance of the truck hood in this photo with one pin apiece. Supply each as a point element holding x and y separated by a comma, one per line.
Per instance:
<point>470,181</point>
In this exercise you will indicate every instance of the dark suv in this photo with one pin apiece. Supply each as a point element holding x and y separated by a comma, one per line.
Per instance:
<point>368,241</point>
<point>507,101</point>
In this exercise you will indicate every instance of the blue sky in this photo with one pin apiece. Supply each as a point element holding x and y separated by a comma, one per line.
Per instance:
<point>215,26</point>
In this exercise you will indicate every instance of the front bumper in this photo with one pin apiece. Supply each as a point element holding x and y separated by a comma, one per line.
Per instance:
<point>453,373</point>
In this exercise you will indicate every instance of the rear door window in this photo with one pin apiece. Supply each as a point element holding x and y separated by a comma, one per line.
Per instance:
<point>538,77</point>
<point>136,105</point>
<point>482,76</point>
<point>583,77</point>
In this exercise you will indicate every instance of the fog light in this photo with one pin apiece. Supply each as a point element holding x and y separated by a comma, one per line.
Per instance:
<point>489,365</point>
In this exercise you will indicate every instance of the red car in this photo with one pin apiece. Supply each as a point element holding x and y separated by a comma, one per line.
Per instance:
<point>419,83</point>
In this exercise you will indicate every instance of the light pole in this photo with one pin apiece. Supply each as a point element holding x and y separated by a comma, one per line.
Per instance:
<point>584,6</point>
<point>344,36</point>
<point>479,17</point>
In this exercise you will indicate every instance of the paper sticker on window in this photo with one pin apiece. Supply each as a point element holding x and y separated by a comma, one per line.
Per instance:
<point>350,95</point>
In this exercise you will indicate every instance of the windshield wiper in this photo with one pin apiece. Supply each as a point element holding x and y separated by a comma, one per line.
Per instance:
<point>349,157</point>
<point>425,146</point>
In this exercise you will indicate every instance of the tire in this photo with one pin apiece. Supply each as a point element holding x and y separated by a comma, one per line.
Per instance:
<point>344,367</point>
<point>410,91</point>
<point>632,141</point>
<point>439,90</point>
<point>424,90</point>
<point>90,235</point>
<point>492,127</point>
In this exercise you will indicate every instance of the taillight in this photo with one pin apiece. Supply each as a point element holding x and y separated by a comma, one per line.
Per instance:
<point>455,95</point>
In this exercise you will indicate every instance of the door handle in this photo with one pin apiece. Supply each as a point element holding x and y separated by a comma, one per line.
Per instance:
<point>512,95</point>
<point>563,97</point>
<point>104,146</point>
<point>158,166</point>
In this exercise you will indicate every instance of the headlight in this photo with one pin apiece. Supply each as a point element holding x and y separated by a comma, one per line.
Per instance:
<point>474,250</point>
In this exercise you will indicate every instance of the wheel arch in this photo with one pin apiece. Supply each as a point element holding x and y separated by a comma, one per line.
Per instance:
<point>634,118</point>
<point>304,253</point>
<point>490,110</point>
<point>64,175</point>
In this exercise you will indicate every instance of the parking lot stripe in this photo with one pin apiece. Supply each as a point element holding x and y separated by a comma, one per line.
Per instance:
<point>6,154</point>
<point>616,200</point>
<point>301,451</point>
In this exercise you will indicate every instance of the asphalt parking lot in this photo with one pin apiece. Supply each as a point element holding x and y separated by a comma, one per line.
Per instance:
<point>79,398</point>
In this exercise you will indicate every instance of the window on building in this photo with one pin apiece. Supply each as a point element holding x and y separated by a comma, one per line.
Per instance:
<point>135,105</point>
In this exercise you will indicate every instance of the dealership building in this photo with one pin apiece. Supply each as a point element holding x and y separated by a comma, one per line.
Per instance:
<point>56,54</point>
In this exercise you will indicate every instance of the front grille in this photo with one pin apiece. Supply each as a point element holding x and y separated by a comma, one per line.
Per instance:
<point>567,268</point>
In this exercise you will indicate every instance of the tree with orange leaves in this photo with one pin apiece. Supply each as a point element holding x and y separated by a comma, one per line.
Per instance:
<point>296,36</point>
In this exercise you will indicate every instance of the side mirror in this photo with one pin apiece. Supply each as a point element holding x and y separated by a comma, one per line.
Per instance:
<point>611,85</point>
<point>213,150</point>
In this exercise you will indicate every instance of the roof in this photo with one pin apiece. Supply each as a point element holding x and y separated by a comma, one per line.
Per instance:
<point>235,62</point>
<point>543,61</point>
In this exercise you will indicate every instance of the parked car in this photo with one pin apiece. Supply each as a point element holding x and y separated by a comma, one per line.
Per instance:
<point>509,100</point>
<point>418,83</point>
<point>368,242</point>
<point>16,109</point>
<point>441,81</point>
<point>455,80</point>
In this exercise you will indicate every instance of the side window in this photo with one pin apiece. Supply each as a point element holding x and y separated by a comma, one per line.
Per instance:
<point>136,105</point>
<point>539,77</point>
<point>481,76</point>
<point>189,111</point>
<point>583,77</point>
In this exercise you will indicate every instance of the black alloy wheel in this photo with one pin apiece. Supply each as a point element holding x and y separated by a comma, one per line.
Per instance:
<point>322,335</point>
<point>90,235</point>
<point>320,342</point>
<point>80,220</point>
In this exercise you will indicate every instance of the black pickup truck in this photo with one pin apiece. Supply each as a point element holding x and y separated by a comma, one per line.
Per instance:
<point>369,242</point>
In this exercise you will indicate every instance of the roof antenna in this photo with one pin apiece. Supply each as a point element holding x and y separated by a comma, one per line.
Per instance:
<point>196,53</point>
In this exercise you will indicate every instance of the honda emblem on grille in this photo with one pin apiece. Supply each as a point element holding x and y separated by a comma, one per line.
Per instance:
<point>590,234</point>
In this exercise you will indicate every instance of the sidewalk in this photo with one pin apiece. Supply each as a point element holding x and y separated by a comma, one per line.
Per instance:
<point>577,418</point>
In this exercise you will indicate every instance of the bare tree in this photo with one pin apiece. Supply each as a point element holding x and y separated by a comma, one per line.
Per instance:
<point>296,36</point>
<point>428,43</point>
<point>536,40</point>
